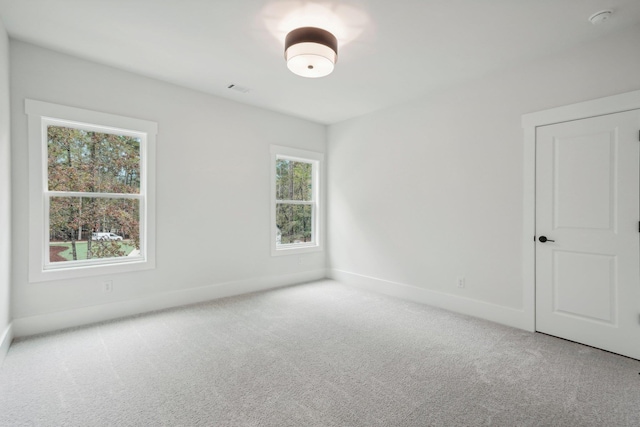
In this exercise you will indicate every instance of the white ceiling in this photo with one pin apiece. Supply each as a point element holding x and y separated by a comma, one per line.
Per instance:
<point>389,51</point>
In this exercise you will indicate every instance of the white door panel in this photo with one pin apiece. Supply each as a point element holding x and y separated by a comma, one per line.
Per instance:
<point>584,285</point>
<point>587,203</point>
<point>583,184</point>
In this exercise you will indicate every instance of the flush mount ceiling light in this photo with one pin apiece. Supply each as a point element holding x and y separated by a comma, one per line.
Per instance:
<point>311,52</point>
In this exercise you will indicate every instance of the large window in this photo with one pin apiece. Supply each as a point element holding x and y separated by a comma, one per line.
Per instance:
<point>295,200</point>
<point>91,190</point>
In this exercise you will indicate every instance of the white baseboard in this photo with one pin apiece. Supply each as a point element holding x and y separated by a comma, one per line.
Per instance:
<point>483,310</point>
<point>48,322</point>
<point>5,342</point>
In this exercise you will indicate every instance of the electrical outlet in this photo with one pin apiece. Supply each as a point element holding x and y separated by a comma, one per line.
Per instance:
<point>461,282</point>
<point>107,286</point>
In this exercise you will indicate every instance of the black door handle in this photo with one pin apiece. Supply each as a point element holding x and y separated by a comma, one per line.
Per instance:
<point>544,239</point>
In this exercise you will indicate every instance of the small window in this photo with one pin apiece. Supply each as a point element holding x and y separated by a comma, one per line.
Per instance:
<point>90,182</point>
<point>295,201</point>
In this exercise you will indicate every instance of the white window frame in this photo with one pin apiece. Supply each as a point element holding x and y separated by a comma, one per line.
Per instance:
<point>40,116</point>
<point>317,161</point>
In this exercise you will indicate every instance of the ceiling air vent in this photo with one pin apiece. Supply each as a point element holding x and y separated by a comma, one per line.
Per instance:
<point>237,88</point>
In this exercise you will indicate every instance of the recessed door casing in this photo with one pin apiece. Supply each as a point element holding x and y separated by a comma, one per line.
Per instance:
<point>587,206</point>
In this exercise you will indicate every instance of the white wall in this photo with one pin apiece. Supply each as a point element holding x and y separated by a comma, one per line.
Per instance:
<point>5,195</point>
<point>212,192</point>
<point>425,192</point>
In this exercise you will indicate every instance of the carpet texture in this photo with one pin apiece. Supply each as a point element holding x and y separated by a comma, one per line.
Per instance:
<point>319,354</point>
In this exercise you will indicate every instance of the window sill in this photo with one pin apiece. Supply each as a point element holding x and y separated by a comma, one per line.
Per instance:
<point>80,271</point>
<point>295,250</point>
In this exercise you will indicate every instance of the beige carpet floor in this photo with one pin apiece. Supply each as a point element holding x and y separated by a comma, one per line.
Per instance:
<point>318,354</point>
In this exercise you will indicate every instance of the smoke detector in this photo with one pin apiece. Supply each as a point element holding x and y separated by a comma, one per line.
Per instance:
<point>600,17</point>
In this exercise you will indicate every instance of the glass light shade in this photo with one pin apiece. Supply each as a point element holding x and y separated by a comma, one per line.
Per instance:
<point>310,59</point>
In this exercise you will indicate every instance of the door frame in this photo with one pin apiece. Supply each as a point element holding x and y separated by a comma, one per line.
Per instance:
<point>593,108</point>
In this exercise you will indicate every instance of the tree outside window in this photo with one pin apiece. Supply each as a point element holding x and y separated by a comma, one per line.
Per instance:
<point>93,183</point>
<point>91,192</point>
<point>294,213</point>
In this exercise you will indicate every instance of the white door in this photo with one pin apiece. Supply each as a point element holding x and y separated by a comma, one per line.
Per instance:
<point>587,206</point>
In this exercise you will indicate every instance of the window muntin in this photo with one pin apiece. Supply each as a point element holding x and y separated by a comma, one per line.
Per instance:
<point>295,200</point>
<point>89,180</point>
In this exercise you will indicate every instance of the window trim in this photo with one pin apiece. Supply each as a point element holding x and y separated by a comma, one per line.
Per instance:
<point>317,161</point>
<point>42,114</point>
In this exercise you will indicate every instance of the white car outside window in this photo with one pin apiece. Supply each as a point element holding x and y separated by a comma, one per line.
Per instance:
<point>105,236</point>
